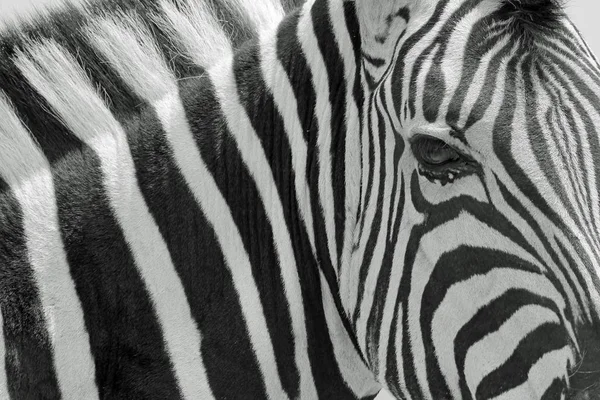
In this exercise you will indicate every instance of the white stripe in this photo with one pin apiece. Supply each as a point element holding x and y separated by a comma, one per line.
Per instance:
<point>446,321</point>
<point>28,174</point>
<point>3,376</point>
<point>521,147</point>
<point>552,365</point>
<point>364,157</point>
<point>393,290</point>
<point>314,59</point>
<point>353,369</point>
<point>399,357</point>
<point>350,278</point>
<point>193,25</point>
<point>370,288</point>
<point>284,98</point>
<point>420,96</point>
<point>16,14</point>
<point>352,167</point>
<point>255,159</point>
<point>586,156</point>
<point>551,233</point>
<point>126,43</point>
<point>64,85</point>
<point>468,297</point>
<point>205,190</point>
<point>496,348</point>
<point>264,14</point>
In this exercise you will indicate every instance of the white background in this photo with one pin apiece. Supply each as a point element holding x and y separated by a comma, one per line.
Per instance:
<point>585,14</point>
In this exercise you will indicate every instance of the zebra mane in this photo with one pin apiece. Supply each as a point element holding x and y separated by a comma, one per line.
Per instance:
<point>187,36</point>
<point>528,18</point>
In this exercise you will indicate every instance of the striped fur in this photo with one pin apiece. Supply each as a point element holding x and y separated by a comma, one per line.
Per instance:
<point>204,199</point>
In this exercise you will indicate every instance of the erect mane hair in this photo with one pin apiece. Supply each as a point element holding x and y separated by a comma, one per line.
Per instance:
<point>207,23</point>
<point>530,18</point>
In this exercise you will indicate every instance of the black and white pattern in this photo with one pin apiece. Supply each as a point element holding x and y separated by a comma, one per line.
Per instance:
<point>238,199</point>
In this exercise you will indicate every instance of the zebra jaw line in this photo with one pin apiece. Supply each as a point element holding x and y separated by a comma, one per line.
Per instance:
<point>211,200</point>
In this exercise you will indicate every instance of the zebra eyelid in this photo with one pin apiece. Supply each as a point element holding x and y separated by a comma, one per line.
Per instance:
<point>452,136</point>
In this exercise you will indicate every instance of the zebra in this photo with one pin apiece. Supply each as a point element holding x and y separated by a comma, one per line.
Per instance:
<point>244,200</point>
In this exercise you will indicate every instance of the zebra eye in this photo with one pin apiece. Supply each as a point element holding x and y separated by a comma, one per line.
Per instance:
<point>432,152</point>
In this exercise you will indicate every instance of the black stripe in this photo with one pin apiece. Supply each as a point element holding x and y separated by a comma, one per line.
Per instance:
<point>290,54</point>
<point>295,65</point>
<point>489,319</point>
<point>222,157</point>
<point>337,99</point>
<point>398,78</point>
<point>435,85</point>
<point>327,376</point>
<point>514,371</point>
<point>555,390</point>
<point>412,246</point>
<point>28,359</point>
<point>226,351</point>
<point>584,375</point>
<point>483,102</point>
<point>371,171</point>
<point>375,61</point>
<point>392,376</point>
<point>472,261</point>
<point>482,40</point>
<point>125,336</point>
<point>269,127</point>
<point>377,224</point>
<point>358,94</point>
<point>375,319</point>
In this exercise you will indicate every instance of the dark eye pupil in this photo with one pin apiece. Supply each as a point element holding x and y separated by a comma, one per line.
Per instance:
<point>434,152</point>
<point>440,155</point>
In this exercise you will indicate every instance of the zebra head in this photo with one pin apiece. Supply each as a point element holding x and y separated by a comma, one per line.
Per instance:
<point>473,271</point>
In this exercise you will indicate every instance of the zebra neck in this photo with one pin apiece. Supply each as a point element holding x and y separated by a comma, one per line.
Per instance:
<point>287,84</point>
<point>312,68</point>
<point>268,140</point>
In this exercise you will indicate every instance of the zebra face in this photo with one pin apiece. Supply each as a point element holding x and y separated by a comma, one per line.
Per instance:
<point>485,118</point>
